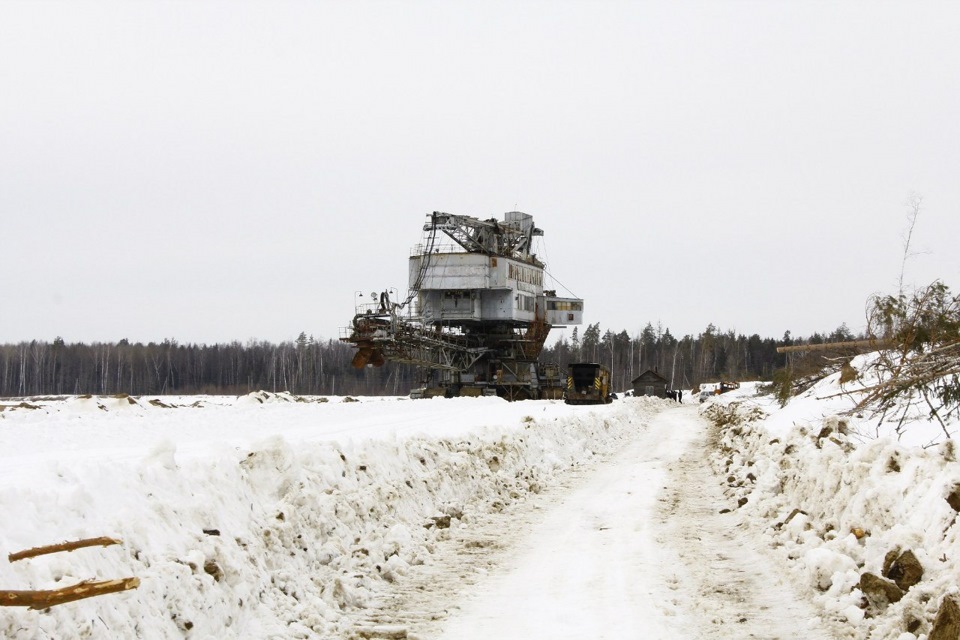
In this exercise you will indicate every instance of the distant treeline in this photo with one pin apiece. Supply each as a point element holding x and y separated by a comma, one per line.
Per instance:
<point>306,366</point>
<point>322,367</point>
<point>685,362</point>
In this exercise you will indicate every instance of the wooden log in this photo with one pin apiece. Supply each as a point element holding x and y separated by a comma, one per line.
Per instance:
<point>51,598</point>
<point>827,346</point>
<point>102,541</point>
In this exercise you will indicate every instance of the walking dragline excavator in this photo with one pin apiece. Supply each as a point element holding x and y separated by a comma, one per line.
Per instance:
<point>476,316</point>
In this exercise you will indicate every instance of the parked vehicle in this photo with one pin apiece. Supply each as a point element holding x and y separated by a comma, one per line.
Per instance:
<point>588,383</point>
<point>718,388</point>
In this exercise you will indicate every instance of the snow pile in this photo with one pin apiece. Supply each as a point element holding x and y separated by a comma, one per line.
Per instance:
<point>293,535</point>
<point>839,496</point>
<point>266,397</point>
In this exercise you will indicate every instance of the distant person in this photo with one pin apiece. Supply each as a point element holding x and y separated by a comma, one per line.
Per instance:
<point>680,396</point>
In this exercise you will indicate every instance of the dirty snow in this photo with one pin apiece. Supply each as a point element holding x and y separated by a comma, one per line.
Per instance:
<point>274,516</point>
<point>638,550</point>
<point>263,517</point>
<point>833,490</point>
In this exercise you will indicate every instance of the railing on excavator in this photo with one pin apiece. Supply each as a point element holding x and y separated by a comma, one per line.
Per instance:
<point>381,335</point>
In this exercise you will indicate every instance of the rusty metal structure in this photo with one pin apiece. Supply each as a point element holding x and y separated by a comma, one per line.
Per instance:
<point>476,314</point>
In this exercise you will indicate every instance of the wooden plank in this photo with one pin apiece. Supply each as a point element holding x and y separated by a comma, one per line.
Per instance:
<point>51,598</point>
<point>102,541</point>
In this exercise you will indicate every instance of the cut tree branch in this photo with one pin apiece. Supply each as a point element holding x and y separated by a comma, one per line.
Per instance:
<point>51,598</point>
<point>102,541</point>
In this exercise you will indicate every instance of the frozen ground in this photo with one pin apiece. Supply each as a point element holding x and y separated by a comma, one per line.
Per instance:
<point>268,517</point>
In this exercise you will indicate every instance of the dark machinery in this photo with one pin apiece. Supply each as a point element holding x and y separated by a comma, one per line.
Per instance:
<point>476,315</point>
<point>588,383</point>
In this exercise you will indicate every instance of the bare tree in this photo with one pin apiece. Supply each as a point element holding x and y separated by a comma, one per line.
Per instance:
<point>914,201</point>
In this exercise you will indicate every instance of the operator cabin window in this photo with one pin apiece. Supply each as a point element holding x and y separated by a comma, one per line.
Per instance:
<point>564,305</point>
<point>525,303</point>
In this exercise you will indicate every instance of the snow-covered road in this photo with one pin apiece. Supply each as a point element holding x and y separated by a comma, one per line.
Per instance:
<point>589,568</point>
<point>637,549</point>
<point>722,585</point>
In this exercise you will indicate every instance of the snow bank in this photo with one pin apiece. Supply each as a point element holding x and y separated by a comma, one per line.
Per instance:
<point>292,536</point>
<point>834,502</point>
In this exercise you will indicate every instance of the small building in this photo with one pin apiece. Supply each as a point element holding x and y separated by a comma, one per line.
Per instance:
<point>650,383</point>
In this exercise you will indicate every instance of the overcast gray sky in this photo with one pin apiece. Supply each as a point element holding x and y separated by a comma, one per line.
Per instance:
<point>211,171</point>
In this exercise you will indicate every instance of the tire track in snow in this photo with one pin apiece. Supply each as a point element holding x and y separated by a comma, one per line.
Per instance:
<point>462,562</point>
<point>631,546</point>
<point>717,568</point>
<point>577,561</point>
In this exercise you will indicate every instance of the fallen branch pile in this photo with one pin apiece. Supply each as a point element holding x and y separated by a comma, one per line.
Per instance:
<point>921,366</point>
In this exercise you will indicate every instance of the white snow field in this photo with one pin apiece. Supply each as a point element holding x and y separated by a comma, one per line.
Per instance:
<point>273,516</point>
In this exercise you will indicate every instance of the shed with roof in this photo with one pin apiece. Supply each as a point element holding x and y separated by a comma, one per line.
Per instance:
<point>650,383</point>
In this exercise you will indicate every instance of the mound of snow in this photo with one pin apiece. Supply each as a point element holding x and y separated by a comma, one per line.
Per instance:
<point>292,535</point>
<point>837,502</point>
